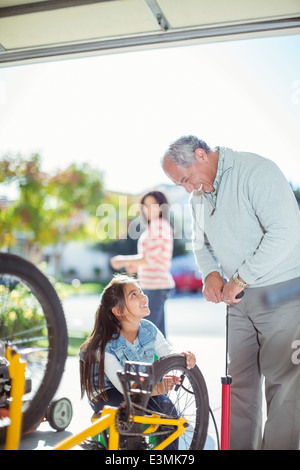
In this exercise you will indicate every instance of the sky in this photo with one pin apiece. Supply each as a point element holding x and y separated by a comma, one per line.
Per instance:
<point>119,112</point>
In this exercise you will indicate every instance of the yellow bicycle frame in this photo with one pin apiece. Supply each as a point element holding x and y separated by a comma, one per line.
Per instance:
<point>16,369</point>
<point>108,420</point>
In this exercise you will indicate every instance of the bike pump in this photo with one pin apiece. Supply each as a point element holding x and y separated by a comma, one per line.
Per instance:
<point>226,391</point>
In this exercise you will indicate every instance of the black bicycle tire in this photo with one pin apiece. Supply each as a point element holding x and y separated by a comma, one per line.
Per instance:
<point>168,363</point>
<point>57,333</point>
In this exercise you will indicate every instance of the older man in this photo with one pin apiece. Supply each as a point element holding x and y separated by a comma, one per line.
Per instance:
<point>251,236</point>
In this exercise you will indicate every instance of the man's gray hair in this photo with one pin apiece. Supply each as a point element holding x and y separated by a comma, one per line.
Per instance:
<point>182,151</point>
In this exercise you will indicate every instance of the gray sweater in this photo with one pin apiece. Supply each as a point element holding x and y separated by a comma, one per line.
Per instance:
<point>254,226</point>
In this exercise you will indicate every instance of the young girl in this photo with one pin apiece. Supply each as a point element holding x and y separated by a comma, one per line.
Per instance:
<point>121,333</point>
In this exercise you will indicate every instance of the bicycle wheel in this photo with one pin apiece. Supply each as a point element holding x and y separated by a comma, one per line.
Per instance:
<point>32,319</point>
<point>188,400</point>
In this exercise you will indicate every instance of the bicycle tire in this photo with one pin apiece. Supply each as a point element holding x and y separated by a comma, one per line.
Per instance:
<point>190,400</point>
<point>40,290</point>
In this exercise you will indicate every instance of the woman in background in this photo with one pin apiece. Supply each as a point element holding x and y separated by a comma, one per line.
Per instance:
<point>153,261</point>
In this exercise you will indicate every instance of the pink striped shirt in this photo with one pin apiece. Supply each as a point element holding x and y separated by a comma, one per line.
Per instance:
<point>156,246</point>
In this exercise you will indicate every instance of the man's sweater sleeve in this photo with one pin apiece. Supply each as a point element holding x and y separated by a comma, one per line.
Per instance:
<point>277,211</point>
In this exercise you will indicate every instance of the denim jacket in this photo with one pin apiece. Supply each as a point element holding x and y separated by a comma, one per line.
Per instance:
<point>142,350</point>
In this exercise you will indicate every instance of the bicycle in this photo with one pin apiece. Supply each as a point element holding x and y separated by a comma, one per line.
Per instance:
<point>32,321</point>
<point>135,426</point>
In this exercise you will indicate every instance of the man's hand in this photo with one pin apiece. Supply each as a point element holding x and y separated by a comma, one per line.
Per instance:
<point>230,291</point>
<point>213,287</point>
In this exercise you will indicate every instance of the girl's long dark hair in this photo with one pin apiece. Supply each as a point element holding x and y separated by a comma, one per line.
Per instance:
<point>107,328</point>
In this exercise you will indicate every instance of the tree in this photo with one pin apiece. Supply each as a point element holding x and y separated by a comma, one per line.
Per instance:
<point>25,215</point>
<point>48,209</point>
<point>74,195</point>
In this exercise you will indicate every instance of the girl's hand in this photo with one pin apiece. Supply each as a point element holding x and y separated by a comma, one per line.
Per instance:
<point>190,359</point>
<point>168,383</point>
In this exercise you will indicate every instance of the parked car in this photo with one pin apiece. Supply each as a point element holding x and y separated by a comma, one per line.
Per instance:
<point>188,281</point>
<point>186,274</point>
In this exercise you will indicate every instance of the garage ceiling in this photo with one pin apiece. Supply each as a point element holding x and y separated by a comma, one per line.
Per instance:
<point>52,29</point>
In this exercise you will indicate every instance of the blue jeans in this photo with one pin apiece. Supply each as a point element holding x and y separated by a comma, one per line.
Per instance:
<point>157,403</point>
<point>157,299</point>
